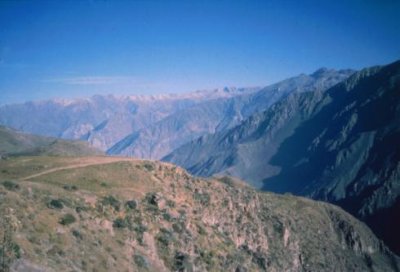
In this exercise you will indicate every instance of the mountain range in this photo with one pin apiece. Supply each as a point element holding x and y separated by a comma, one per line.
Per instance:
<point>153,126</point>
<point>331,135</point>
<point>340,145</point>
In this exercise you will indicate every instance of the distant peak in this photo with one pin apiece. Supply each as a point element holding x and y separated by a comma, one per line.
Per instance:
<point>321,71</point>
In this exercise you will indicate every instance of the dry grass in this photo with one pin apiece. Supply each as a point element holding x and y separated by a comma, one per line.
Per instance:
<point>179,222</point>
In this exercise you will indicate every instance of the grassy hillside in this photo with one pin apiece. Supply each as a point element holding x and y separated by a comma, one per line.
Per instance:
<point>119,214</point>
<point>15,143</point>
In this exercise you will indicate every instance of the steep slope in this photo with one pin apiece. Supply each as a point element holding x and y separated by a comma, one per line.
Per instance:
<point>162,137</point>
<point>341,146</point>
<point>246,149</point>
<point>153,126</point>
<point>102,120</point>
<point>13,143</point>
<point>112,214</point>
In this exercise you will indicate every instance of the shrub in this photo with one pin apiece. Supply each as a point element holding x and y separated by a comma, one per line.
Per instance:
<point>149,167</point>
<point>170,203</point>
<point>55,204</point>
<point>181,262</point>
<point>120,223</point>
<point>140,261</point>
<point>227,180</point>
<point>207,257</point>
<point>164,238</point>
<point>135,224</point>
<point>77,234</point>
<point>17,250</point>
<point>10,185</point>
<point>9,250</point>
<point>151,198</point>
<point>70,187</point>
<point>131,204</point>
<point>201,230</point>
<point>203,198</point>
<point>111,201</point>
<point>80,209</point>
<point>178,227</point>
<point>166,216</point>
<point>67,219</point>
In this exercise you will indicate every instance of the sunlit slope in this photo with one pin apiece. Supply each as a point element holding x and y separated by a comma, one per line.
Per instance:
<point>119,214</point>
<point>16,143</point>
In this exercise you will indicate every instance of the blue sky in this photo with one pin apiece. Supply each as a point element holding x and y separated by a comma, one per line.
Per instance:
<point>80,48</point>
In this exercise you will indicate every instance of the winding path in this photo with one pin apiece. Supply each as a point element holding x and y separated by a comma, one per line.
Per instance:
<point>97,161</point>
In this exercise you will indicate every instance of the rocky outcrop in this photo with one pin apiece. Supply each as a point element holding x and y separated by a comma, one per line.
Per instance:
<point>149,216</point>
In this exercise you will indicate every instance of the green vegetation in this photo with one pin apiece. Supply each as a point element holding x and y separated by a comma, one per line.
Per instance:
<point>120,223</point>
<point>211,226</point>
<point>164,240</point>
<point>15,143</point>
<point>226,180</point>
<point>207,257</point>
<point>131,204</point>
<point>9,250</point>
<point>111,201</point>
<point>203,198</point>
<point>151,200</point>
<point>70,187</point>
<point>170,203</point>
<point>55,204</point>
<point>135,223</point>
<point>77,234</point>
<point>181,262</point>
<point>166,216</point>
<point>140,261</point>
<point>149,167</point>
<point>67,219</point>
<point>10,185</point>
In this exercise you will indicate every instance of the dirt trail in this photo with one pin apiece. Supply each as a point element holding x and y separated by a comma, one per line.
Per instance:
<point>90,162</point>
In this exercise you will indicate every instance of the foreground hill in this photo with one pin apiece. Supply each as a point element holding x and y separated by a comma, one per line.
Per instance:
<point>341,146</point>
<point>119,214</point>
<point>16,143</point>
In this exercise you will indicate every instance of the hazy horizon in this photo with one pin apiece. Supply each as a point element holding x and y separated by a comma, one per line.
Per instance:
<point>73,97</point>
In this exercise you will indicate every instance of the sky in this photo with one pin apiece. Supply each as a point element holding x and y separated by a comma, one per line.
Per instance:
<point>77,48</point>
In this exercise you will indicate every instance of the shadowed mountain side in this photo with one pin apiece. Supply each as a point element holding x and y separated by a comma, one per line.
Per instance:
<point>340,145</point>
<point>245,150</point>
<point>161,138</point>
<point>354,160</point>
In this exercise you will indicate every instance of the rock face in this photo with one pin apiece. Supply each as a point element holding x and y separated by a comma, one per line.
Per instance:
<point>153,126</point>
<point>341,146</point>
<point>102,120</point>
<point>16,143</point>
<point>110,214</point>
<point>162,137</point>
